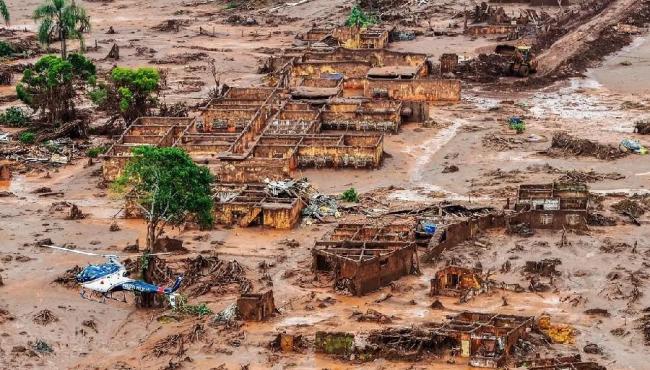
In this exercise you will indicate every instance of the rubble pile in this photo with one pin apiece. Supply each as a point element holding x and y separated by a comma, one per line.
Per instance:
<point>171,25</point>
<point>45,317</point>
<point>642,127</point>
<point>485,68</point>
<point>68,278</point>
<point>69,210</point>
<point>589,176</point>
<point>632,207</point>
<point>176,344</point>
<point>200,274</point>
<point>570,145</point>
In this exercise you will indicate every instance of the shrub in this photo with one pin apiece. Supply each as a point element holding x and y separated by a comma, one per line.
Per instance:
<point>94,152</point>
<point>14,117</point>
<point>6,49</point>
<point>517,124</point>
<point>359,18</point>
<point>350,195</point>
<point>27,137</point>
<point>191,309</point>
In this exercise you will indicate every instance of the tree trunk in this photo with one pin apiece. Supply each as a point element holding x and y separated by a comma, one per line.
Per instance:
<point>151,235</point>
<point>64,49</point>
<point>148,300</point>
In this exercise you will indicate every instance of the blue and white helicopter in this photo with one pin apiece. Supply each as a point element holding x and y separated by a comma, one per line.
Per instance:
<point>109,277</point>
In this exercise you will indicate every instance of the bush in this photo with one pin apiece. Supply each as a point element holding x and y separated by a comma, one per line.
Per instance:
<point>14,117</point>
<point>191,309</point>
<point>350,195</point>
<point>359,18</point>
<point>27,137</point>
<point>94,152</point>
<point>517,124</point>
<point>6,49</point>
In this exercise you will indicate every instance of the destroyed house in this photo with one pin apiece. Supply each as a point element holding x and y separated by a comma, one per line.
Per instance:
<point>155,131</point>
<point>254,204</point>
<point>454,281</point>
<point>486,340</point>
<point>456,223</point>
<point>560,363</point>
<point>251,134</point>
<point>376,37</point>
<point>554,206</point>
<point>364,258</point>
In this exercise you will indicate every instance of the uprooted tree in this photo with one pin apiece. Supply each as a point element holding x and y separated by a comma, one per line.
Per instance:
<point>129,92</point>
<point>61,20</point>
<point>50,86</point>
<point>169,189</point>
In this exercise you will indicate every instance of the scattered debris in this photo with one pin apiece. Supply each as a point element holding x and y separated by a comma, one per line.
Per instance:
<point>567,144</point>
<point>45,317</point>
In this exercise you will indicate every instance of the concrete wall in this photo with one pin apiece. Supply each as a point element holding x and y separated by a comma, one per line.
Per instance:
<point>252,170</point>
<point>311,70</point>
<point>256,307</point>
<point>430,90</point>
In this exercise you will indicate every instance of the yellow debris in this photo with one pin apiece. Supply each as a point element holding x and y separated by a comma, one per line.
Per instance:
<point>559,333</point>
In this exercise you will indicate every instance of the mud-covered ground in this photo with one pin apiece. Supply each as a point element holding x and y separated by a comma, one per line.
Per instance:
<point>604,267</point>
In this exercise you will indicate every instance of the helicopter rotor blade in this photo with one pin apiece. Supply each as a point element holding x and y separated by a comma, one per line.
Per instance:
<point>71,250</point>
<point>101,254</point>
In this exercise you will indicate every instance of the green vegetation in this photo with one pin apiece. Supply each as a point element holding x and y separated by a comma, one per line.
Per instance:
<point>4,11</point>
<point>52,84</point>
<point>168,187</point>
<point>517,124</point>
<point>190,309</point>
<point>27,137</point>
<point>95,151</point>
<point>350,195</point>
<point>62,20</point>
<point>130,92</point>
<point>232,5</point>
<point>14,117</point>
<point>359,18</point>
<point>6,50</point>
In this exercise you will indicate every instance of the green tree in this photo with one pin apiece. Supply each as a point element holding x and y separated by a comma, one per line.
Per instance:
<point>61,19</point>
<point>4,11</point>
<point>168,188</point>
<point>359,18</point>
<point>129,92</point>
<point>51,85</point>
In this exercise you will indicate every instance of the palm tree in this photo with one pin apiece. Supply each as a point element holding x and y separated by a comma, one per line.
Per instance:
<point>4,12</point>
<point>61,18</point>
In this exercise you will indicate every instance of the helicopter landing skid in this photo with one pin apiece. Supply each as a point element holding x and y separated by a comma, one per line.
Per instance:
<point>101,297</point>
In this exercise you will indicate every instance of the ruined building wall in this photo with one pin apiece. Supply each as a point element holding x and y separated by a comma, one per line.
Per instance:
<point>419,89</point>
<point>322,69</point>
<point>376,273</point>
<point>282,217</point>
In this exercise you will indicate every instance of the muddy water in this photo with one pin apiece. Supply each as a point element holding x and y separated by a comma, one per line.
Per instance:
<point>627,71</point>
